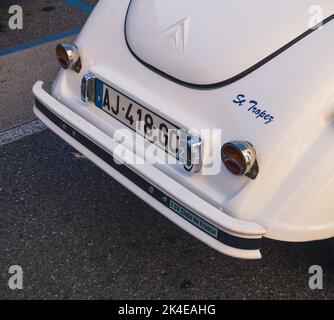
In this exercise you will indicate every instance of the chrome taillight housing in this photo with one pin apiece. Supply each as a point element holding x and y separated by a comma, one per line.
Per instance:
<point>239,157</point>
<point>68,57</point>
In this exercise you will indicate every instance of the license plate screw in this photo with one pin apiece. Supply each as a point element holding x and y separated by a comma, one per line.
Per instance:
<point>164,199</point>
<point>151,190</point>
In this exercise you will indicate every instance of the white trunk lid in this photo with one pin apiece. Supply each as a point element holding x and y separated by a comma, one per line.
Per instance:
<point>205,42</point>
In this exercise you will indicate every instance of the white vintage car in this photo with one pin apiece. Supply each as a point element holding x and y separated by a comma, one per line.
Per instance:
<point>219,114</point>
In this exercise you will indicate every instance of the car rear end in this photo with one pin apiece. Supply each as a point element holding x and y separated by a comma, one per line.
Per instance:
<point>207,169</point>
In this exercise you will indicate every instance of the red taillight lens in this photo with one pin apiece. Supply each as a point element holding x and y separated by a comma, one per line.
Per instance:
<point>62,56</point>
<point>68,57</point>
<point>233,159</point>
<point>239,158</point>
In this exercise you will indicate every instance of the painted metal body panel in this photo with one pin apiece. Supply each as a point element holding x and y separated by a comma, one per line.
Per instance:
<point>206,43</point>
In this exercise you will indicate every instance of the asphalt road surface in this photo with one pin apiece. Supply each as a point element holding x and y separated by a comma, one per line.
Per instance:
<point>78,234</point>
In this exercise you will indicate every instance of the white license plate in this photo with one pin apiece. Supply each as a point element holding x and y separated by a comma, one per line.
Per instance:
<point>154,128</point>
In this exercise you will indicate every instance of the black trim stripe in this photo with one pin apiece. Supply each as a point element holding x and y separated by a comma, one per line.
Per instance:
<point>230,80</point>
<point>160,196</point>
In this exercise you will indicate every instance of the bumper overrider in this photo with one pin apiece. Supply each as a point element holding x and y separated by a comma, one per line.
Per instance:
<point>236,238</point>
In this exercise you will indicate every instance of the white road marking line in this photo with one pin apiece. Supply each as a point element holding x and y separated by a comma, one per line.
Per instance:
<point>20,132</point>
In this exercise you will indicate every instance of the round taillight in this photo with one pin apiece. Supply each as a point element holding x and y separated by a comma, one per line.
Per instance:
<point>239,157</point>
<point>68,56</point>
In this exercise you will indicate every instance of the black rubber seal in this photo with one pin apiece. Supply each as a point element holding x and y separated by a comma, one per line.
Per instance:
<point>230,80</point>
<point>160,196</point>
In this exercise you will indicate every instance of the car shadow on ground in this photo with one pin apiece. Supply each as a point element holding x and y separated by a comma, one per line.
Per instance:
<point>78,233</point>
